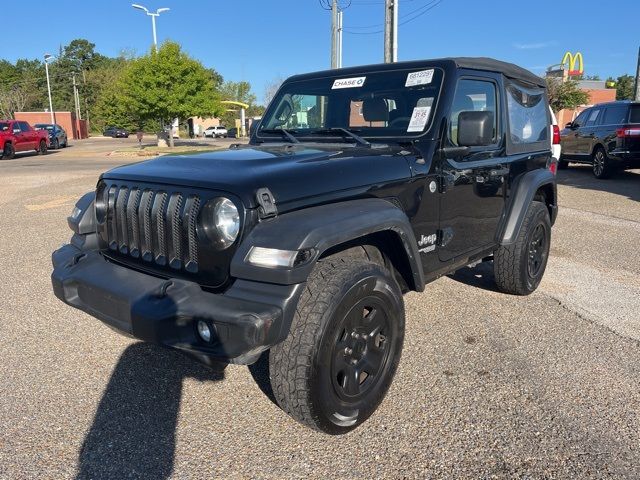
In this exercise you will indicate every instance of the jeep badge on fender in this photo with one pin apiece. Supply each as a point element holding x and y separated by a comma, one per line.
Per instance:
<point>359,185</point>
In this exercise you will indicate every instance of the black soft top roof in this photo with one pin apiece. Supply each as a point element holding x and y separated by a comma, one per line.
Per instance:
<point>509,70</point>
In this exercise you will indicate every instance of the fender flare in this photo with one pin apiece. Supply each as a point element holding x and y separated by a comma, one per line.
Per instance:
<point>320,228</point>
<point>524,190</point>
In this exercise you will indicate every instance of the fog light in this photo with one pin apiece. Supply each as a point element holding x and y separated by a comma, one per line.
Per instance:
<point>204,331</point>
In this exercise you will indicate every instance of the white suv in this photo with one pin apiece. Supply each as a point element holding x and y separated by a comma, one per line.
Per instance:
<point>215,132</point>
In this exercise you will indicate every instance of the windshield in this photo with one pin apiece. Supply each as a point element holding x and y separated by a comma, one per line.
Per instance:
<point>4,126</point>
<point>43,126</point>
<point>397,103</point>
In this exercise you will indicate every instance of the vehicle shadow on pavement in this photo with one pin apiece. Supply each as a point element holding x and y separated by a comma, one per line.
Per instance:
<point>480,276</point>
<point>625,183</point>
<point>133,431</point>
<point>260,373</point>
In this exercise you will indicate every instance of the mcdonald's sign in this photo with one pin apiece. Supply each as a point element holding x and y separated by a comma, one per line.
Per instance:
<point>570,60</point>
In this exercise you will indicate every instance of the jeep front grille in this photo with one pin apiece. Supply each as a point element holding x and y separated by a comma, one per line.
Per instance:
<point>156,225</point>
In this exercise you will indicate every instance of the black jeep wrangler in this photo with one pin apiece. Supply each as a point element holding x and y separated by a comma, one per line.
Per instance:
<point>359,185</point>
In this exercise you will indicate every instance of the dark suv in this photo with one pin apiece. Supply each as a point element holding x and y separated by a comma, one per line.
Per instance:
<point>606,136</point>
<point>359,185</point>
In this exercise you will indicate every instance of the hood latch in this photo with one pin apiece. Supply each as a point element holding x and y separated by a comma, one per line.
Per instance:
<point>267,203</point>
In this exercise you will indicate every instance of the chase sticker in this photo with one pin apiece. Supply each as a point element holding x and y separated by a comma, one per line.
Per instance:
<point>419,119</point>
<point>348,82</point>
<point>422,77</point>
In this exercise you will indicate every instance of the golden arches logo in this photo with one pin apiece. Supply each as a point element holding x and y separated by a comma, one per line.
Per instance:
<point>571,59</point>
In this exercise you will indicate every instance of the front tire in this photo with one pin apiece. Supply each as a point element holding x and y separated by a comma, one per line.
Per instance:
<point>9,151</point>
<point>56,144</point>
<point>519,267</point>
<point>344,346</point>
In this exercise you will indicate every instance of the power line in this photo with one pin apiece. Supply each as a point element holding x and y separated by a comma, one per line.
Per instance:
<point>418,12</point>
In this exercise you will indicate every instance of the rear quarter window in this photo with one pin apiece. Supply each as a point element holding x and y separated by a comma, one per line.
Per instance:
<point>528,116</point>
<point>634,116</point>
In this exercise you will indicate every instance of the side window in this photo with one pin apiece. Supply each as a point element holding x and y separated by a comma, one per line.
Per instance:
<point>528,115</point>
<point>582,118</point>
<point>593,118</point>
<point>615,115</point>
<point>473,96</point>
<point>24,126</point>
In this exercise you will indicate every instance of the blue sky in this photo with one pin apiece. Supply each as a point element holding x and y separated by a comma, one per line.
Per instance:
<point>258,40</point>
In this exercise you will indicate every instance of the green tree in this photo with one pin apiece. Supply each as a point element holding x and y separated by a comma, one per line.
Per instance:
<point>625,87</point>
<point>166,84</point>
<point>565,94</point>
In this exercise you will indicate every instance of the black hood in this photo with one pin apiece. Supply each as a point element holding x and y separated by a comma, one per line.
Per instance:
<point>291,172</point>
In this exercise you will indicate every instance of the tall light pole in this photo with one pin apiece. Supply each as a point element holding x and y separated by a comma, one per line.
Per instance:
<point>153,19</point>
<point>46,69</point>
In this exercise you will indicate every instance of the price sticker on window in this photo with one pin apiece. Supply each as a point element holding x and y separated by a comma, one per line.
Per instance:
<point>419,119</point>
<point>423,77</point>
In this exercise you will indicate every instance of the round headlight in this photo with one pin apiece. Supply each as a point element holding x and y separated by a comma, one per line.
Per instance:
<point>226,220</point>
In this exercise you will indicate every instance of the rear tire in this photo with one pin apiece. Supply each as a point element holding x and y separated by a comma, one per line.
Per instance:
<point>9,151</point>
<point>601,164</point>
<point>519,267</point>
<point>42,148</point>
<point>344,346</point>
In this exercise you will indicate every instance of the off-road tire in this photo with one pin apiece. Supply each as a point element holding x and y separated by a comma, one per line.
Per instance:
<point>511,263</point>
<point>601,164</point>
<point>42,148</point>
<point>301,368</point>
<point>9,151</point>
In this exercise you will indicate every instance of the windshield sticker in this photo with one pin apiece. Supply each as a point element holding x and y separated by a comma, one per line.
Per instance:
<point>348,82</point>
<point>422,77</point>
<point>419,119</point>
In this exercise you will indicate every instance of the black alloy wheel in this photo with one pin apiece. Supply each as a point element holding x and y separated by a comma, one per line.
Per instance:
<point>361,349</point>
<point>538,251</point>
<point>9,151</point>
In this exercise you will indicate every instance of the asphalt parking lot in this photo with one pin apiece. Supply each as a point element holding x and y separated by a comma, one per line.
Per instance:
<point>489,385</point>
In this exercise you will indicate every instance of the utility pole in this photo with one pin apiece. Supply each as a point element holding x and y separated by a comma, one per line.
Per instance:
<point>339,47</point>
<point>76,100</point>
<point>334,34</point>
<point>637,96</point>
<point>391,31</point>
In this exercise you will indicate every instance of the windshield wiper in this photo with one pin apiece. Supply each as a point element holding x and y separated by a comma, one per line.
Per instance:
<point>346,132</point>
<point>285,133</point>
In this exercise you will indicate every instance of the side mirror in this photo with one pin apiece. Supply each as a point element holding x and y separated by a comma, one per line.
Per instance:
<point>475,129</point>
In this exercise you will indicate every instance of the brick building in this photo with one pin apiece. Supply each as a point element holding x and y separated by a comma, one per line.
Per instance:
<point>76,129</point>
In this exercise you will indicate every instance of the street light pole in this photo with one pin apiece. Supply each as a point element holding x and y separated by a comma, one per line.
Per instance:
<point>46,69</point>
<point>153,19</point>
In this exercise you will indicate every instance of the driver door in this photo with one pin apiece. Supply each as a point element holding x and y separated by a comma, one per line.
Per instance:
<point>472,198</point>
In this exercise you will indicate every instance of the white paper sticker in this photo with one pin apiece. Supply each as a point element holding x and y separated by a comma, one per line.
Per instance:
<point>419,119</point>
<point>422,77</point>
<point>348,82</point>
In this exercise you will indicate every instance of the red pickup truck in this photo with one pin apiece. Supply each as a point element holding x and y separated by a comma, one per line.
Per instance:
<point>19,136</point>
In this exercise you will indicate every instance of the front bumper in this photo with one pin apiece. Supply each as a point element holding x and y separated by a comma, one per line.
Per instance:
<point>166,311</point>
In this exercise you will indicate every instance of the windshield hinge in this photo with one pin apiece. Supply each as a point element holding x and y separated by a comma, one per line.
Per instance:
<point>267,203</point>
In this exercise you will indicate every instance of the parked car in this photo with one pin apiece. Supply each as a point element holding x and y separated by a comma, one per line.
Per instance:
<point>232,133</point>
<point>57,135</point>
<point>605,136</point>
<point>556,148</point>
<point>215,132</point>
<point>115,132</point>
<point>18,136</point>
<point>302,242</point>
